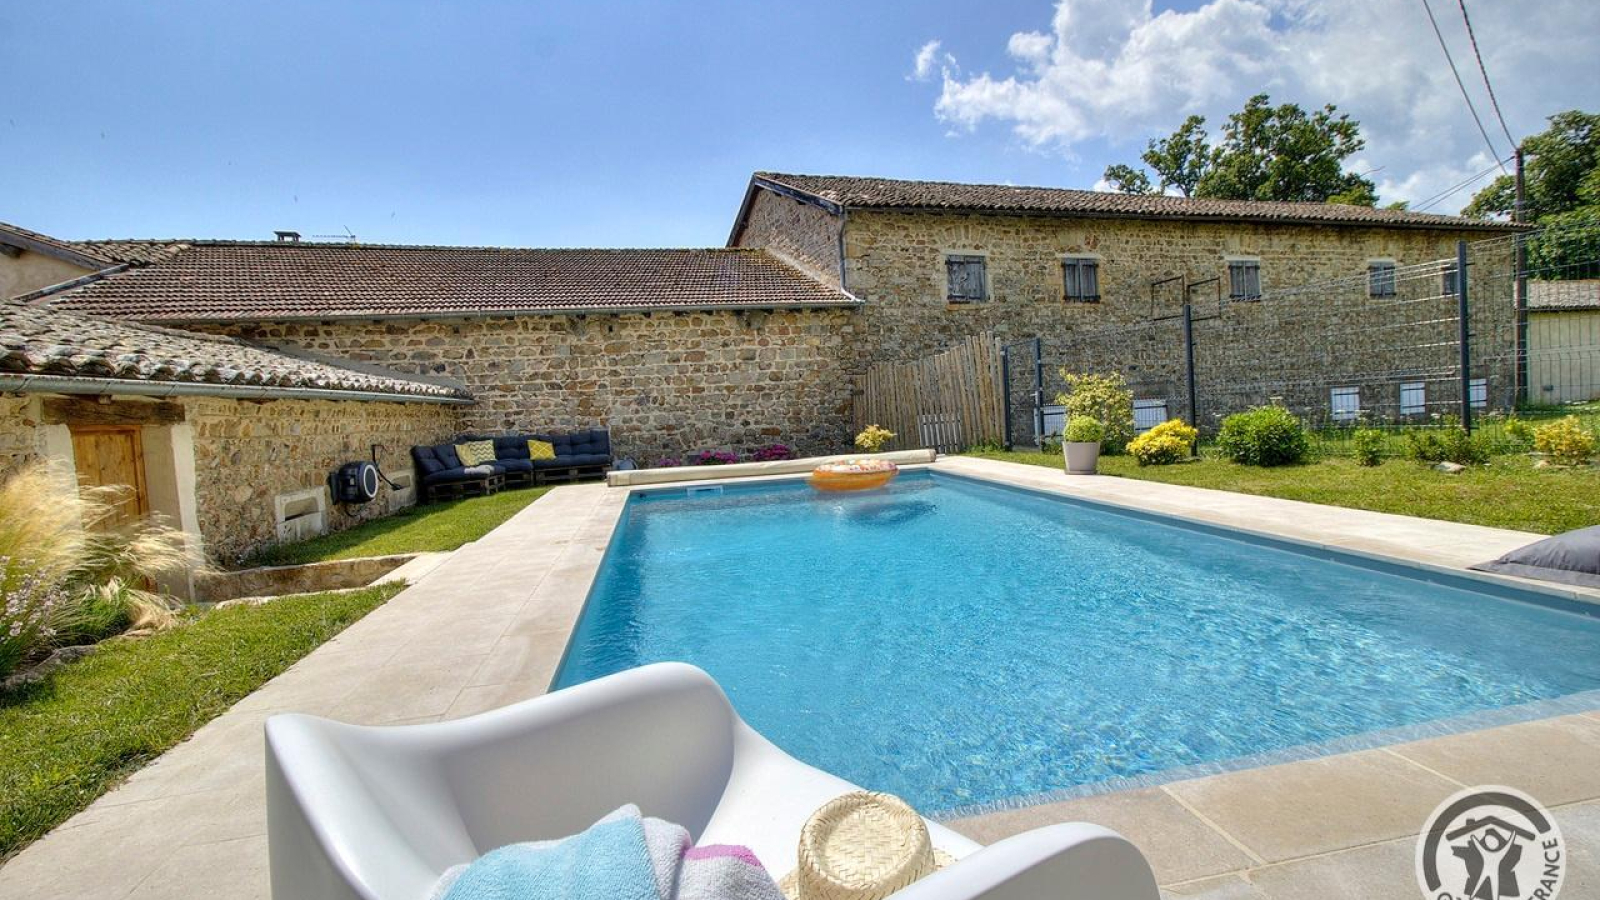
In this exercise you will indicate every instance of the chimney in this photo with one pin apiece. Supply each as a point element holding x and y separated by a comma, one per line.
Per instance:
<point>288,237</point>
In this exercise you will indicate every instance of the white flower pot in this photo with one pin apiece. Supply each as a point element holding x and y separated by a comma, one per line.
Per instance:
<point>1083,457</point>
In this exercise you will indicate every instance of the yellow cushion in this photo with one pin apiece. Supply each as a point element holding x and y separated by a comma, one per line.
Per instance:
<point>475,453</point>
<point>541,450</point>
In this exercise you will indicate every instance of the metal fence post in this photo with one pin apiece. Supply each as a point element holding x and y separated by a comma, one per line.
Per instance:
<point>1005,394</point>
<point>1188,362</point>
<point>1466,341</point>
<point>1038,389</point>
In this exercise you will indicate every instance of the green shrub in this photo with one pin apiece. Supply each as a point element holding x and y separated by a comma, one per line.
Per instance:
<point>1164,444</point>
<point>1565,441</point>
<point>1369,445</point>
<point>1264,436</point>
<point>1447,445</point>
<point>1084,430</point>
<point>1046,445</point>
<point>1518,433</point>
<point>1102,397</point>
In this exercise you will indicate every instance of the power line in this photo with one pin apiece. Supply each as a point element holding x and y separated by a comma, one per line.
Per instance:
<point>1493,153</point>
<point>1447,193</point>
<point>1493,101</point>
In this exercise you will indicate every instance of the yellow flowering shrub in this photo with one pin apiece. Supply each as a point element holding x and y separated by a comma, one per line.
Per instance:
<point>1565,441</point>
<point>872,438</point>
<point>1164,444</point>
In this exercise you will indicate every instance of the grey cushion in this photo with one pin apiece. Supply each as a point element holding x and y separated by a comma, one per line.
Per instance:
<point>1571,558</point>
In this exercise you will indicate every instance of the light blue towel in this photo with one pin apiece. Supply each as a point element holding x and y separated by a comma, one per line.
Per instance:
<point>622,857</point>
<point>607,862</point>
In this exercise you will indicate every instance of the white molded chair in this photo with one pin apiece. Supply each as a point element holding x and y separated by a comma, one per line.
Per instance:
<point>379,813</point>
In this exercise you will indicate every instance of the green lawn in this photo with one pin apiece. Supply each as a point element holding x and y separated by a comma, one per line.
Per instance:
<point>65,740</point>
<point>438,526</point>
<point>1507,493</point>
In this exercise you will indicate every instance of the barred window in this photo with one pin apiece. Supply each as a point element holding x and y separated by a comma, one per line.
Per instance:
<point>965,275</point>
<point>1244,279</point>
<point>1080,279</point>
<point>1381,279</point>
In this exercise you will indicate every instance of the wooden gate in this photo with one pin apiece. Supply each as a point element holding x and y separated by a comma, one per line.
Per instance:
<point>113,455</point>
<point>948,401</point>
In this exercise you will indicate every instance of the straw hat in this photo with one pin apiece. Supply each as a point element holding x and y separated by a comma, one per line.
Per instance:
<point>861,846</point>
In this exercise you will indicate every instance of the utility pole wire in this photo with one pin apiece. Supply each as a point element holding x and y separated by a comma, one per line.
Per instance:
<point>1493,101</point>
<point>1493,153</point>
<point>1447,193</point>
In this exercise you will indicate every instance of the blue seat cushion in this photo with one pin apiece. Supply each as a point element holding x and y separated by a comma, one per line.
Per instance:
<point>427,460</point>
<point>568,462</point>
<point>447,456</point>
<point>514,465</point>
<point>596,442</point>
<point>449,476</point>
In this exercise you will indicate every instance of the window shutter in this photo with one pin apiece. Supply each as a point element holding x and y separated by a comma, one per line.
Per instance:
<point>1244,280</point>
<point>1090,280</point>
<point>1069,278</point>
<point>964,275</point>
<point>1381,281</point>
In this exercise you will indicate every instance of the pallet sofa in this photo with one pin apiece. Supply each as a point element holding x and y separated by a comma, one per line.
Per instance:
<point>443,474</point>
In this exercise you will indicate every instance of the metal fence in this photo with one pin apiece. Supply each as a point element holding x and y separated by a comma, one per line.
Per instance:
<point>1393,347</point>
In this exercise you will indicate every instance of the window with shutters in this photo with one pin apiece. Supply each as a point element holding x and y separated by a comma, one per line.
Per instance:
<point>1447,280</point>
<point>1413,398</point>
<point>1244,279</point>
<point>966,278</point>
<point>1381,281</point>
<point>1345,403</point>
<point>1080,279</point>
<point>1478,393</point>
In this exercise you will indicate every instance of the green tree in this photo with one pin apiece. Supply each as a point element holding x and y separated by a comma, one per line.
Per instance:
<point>1125,179</point>
<point>1266,153</point>
<point>1561,178</point>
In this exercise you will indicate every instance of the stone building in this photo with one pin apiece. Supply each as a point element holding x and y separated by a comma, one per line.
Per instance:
<point>1289,293</point>
<point>270,362</point>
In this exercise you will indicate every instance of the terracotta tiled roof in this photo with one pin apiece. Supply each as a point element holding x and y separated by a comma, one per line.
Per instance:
<point>889,193</point>
<point>17,236</point>
<point>49,342</point>
<point>273,281</point>
<point>142,252</point>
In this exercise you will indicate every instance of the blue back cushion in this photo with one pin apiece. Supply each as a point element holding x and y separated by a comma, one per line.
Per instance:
<point>580,443</point>
<point>447,456</point>
<point>511,446</point>
<point>427,460</point>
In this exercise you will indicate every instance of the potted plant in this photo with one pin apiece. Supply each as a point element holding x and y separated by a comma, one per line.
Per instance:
<point>1081,444</point>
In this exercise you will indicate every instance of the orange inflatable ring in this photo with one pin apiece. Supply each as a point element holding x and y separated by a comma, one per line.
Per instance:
<point>853,475</point>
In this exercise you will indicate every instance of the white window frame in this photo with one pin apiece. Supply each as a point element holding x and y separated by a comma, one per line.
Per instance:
<point>967,257</point>
<point>1344,412</point>
<point>1416,405</point>
<point>1393,275</point>
<point>1079,259</point>
<point>1244,261</point>
<point>1478,393</point>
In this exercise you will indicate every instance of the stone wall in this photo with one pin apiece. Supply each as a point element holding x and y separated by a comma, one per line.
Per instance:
<point>21,435</point>
<point>806,235</point>
<point>1294,344</point>
<point>248,453</point>
<point>665,384</point>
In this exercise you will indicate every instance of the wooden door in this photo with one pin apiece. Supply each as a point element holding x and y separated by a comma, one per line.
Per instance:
<point>109,455</point>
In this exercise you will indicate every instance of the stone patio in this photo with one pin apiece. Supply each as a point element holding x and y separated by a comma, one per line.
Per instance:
<point>488,625</point>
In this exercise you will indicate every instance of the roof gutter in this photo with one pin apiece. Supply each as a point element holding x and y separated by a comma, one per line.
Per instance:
<point>71,384</point>
<point>44,248</point>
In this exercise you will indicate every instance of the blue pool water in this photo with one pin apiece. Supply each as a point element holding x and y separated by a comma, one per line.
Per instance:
<point>959,643</point>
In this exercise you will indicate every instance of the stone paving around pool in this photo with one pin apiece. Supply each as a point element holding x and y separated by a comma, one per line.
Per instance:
<point>488,625</point>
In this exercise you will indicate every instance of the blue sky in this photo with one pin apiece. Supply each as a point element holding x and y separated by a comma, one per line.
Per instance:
<point>573,124</point>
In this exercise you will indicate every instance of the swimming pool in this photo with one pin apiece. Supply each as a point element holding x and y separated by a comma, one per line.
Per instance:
<point>964,644</point>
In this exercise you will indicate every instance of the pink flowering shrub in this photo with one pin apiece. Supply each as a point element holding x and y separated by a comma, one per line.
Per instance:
<point>29,605</point>
<point>772,452</point>
<point>668,462</point>
<point>713,458</point>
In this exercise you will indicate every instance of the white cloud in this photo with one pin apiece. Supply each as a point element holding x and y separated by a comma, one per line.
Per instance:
<point>1116,70</point>
<point>928,60</point>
